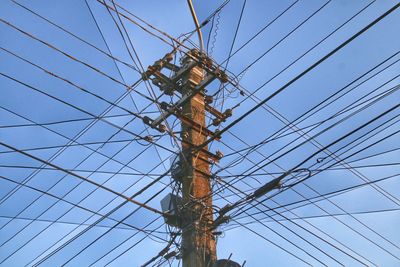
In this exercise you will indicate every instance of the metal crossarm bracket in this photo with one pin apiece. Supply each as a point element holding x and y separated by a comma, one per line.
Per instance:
<point>186,97</point>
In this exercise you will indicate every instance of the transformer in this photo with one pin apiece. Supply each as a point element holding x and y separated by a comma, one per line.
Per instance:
<point>171,204</point>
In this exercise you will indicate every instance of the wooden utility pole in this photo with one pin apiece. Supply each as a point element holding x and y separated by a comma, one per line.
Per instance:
<point>198,242</point>
<point>192,212</point>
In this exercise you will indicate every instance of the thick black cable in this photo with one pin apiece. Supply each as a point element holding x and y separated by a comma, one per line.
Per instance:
<point>73,35</point>
<point>129,226</point>
<point>106,232</point>
<point>73,84</point>
<point>324,232</point>
<point>298,165</point>
<point>129,199</point>
<point>270,216</point>
<point>99,220</point>
<point>123,166</point>
<point>72,140</point>
<point>323,197</point>
<point>334,51</point>
<point>261,30</point>
<point>75,143</point>
<point>69,191</point>
<point>354,217</point>
<point>271,48</point>
<point>119,71</point>
<point>270,109</point>
<point>158,179</point>
<point>361,176</point>
<point>321,216</point>
<point>306,221</point>
<point>316,135</point>
<point>281,132</point>
<point>83,111</point>
<point>301,227</point>
<point>252,95</point>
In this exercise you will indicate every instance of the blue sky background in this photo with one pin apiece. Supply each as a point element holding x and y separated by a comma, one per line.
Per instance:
<point>173,17</point>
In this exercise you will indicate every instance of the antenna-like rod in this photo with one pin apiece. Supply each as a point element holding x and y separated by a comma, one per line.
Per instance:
<point>196,22</point>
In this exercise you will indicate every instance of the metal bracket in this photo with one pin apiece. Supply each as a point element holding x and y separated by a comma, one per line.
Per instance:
<point>186,97</point>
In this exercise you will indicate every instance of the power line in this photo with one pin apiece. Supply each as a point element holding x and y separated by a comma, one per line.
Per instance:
<point>331,160</point>
<point>321,197</point>
<point>298,165</point>
<point>73,35</point>
<point>75,85</point>
<point>119,71</point>
<point>128,226</point>
<point>320,216</point>
<point>334,51</point>
<point>63,53</point>
<point>71,140</point>
<point>95,223</point>
<point>83,111</point>
<point>123,166</point>
<point>158,179</point>
<point>82,178</point>
<point>120,173</point>
<point>326,102</point>
<point>331,144</point>
<point>302,180</point>
<point>262,30</point>
<point>314,136</point>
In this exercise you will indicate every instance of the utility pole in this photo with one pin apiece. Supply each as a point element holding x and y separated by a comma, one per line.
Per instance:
<point>199,248</point>
<point>191,212</point>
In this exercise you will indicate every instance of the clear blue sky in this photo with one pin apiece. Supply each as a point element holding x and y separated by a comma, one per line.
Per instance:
<point>173,17</point>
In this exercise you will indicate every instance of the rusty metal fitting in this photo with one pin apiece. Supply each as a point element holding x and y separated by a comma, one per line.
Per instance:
<point>158,65</point>
<point>223,77</point>
<point>216,122</point>
<point>169,57</point>
<point>219,154</point>
<point>164,105</point>
<point>148,138</point>
<point>217,72</point>
<point>146,120</point>
<point>162,128</point>
<point>228,113</point>
<point>156,81</point>
<point>208,62</point>
<point>208,99</point>
<point>169,91</point>
<point>151,69</point>
<point>178,110</point>
<point>184,135</point>
<point>146,75</point>
<point>194,52</point>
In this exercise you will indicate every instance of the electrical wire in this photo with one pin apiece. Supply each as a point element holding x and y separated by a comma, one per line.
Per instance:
<point>334,51</point>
